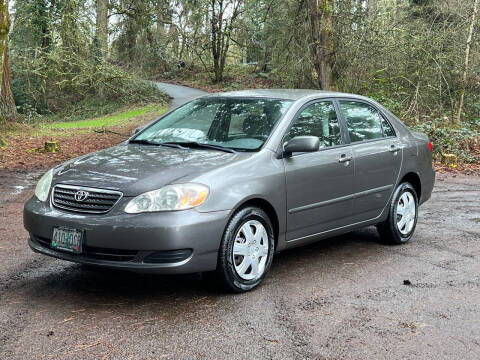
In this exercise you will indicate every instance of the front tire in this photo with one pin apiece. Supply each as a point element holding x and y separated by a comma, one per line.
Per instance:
<point>402,217</point>
<point>246,251</point>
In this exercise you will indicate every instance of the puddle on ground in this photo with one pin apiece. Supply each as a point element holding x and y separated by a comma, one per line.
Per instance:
<point>13,183</point>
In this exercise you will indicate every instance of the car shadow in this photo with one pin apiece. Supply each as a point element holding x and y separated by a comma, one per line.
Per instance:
<point>367,237</point>
<point>100,285</point>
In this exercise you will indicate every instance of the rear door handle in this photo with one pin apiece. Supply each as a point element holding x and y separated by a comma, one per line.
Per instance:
<point>394,149</point>
<point>344,158</point>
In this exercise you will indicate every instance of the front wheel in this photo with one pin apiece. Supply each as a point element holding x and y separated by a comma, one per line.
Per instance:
<point>246,251</point>
<point>402,216</point>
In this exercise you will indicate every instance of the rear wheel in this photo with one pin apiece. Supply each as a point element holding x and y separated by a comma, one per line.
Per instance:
<point>402,216</point>
<point>246,251</point>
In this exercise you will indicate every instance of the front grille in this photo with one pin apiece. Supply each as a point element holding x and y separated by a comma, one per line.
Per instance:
<point>93,252</point>
<point>97,201</point>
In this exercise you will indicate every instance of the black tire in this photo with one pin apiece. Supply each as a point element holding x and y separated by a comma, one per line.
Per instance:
<point>388,230</point>
<point>89,267</point>
<point>226,272</point>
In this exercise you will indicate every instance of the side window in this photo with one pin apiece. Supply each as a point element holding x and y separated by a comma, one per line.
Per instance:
<point>363,121</point>
<point>387,128</point>
<point>318,119</point>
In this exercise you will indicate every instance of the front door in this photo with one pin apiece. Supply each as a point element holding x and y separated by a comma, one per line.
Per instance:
<point>378,158</point>
<point>319,184</point>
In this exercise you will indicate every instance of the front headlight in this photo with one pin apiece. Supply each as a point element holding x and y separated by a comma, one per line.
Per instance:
<point>43,186</point>
<point>168,198</point>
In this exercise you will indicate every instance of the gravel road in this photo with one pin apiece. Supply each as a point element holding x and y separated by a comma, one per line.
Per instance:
<point>350,297</point>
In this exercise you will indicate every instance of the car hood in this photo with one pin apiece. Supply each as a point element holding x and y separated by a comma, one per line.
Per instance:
<point>134,169</point>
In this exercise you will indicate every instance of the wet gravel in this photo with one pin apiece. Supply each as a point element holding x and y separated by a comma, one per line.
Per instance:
<point>350,297</point>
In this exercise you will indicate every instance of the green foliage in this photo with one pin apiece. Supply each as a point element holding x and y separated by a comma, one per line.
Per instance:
<point>138,47</point>
<point>464,142</point>
<point>90,107</point>
<point>111,120</point>
<point>407,54</point>
<point>58,79</point>
<point>55,64</point>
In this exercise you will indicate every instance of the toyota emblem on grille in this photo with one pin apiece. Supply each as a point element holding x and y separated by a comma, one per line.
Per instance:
<point>81,195</point>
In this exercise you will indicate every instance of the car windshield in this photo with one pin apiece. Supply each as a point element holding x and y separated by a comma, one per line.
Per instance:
<point>234,123</point>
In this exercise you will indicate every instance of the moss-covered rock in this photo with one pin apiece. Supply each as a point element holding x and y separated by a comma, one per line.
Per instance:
<point>52,147</point>
<point>3,143</point>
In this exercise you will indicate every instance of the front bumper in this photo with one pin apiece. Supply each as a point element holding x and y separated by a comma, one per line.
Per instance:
<point>167,243</point>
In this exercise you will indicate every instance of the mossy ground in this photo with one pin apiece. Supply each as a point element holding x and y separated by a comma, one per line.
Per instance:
<point>74,137</point>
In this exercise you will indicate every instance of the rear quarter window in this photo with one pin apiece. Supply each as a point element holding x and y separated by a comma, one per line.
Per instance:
<point>387,128</point>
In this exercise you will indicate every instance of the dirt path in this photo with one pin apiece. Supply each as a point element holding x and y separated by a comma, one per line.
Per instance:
<point>341,298</point>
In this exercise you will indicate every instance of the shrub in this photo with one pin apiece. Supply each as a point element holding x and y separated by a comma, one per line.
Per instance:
<point>463,142</point>
<point>53,81</point>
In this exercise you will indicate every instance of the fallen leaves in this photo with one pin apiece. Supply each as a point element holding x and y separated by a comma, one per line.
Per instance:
<point>19,155</point>
<point>467,169</point>
<point>68,319</point>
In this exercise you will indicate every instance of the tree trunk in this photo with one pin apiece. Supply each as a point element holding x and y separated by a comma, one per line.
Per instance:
<point>102,27</point>
<point>8,109</point>
<point>221,32</point>
<point>244,52</point>
<point>216,21</point>
<point>463,83</point>
<point>320,16</point>
<point>163,17</point>
<point>68,26</point>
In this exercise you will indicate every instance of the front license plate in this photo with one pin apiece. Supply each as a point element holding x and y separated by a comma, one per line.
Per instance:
<point>67,239</point>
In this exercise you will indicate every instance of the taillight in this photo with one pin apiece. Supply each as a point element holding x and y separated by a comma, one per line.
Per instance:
<point>430,146</point>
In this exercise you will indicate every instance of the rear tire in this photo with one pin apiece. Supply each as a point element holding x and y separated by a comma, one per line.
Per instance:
<point>246,250</point>
<point>402,216</point>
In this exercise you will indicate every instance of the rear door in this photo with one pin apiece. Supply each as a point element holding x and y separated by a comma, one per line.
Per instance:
<point>319,184</point>
<point>378,157</point>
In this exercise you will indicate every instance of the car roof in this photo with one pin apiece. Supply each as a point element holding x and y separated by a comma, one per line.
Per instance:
<point>287,94</point>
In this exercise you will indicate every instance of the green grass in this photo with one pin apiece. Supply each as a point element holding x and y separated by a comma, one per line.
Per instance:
<point>110,120</point>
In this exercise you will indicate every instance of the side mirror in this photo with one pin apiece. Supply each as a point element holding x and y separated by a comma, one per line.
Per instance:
<point>302,144</point>
<point>137,130</point>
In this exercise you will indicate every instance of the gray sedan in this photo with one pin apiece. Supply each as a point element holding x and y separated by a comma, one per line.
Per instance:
<point>224,182</point>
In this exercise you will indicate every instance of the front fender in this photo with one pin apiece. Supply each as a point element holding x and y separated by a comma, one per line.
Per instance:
<point>260,177</point>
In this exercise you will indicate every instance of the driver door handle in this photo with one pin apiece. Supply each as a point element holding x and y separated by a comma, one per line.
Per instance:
<point>344,158</point>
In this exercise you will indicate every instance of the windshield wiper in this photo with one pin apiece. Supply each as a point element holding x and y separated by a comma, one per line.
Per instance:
<point>148,142</point>
<point>143,142</point>
<point>193,144</point>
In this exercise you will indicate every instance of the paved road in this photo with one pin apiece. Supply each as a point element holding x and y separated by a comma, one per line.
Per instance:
<point>342,298</point>
<point>179,94</point>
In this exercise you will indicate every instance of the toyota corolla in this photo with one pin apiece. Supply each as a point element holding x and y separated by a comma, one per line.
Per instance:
<point>221,184</point>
